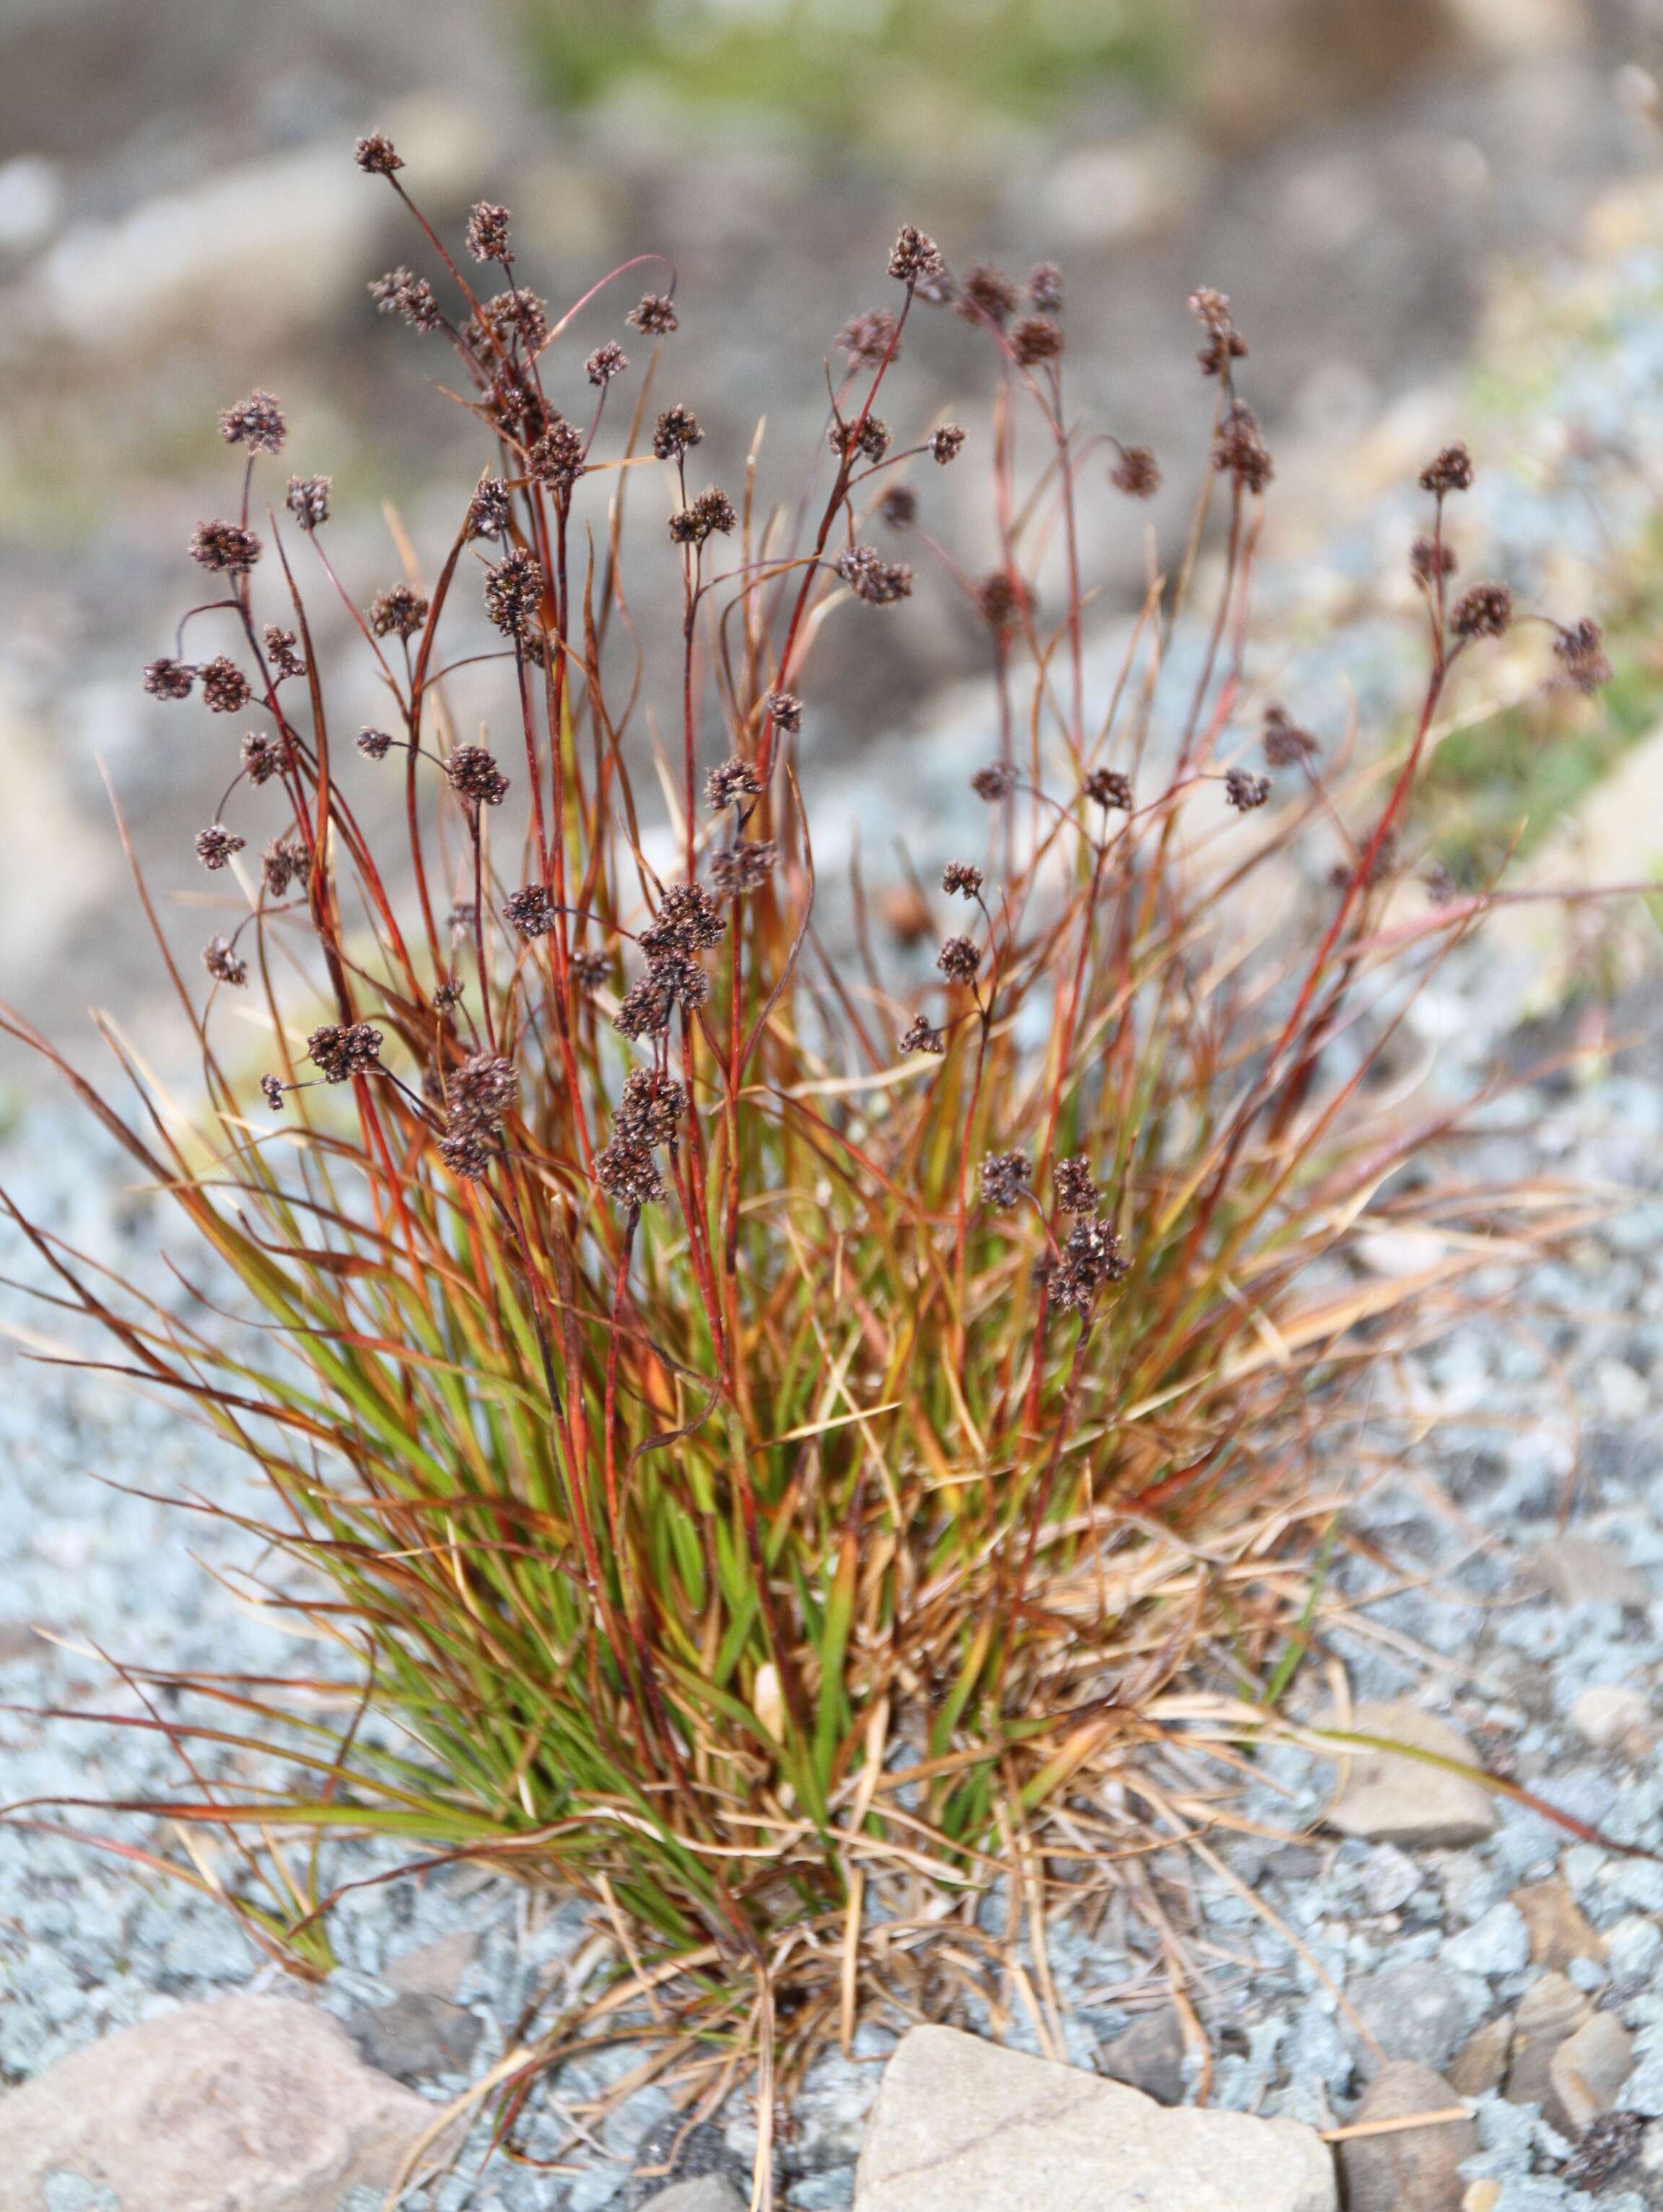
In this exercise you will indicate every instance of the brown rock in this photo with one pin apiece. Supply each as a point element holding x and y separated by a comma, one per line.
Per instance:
<point>1411,1800</point>
<point>1587,2071</point>
<point>435,1969</point>
<point>245,2105</point>
<point>1481,2061</point>
<point>1148,2056</point>
<point>1559,1932</point>
<point>1580,1571</point>
<point>1550,2013</point>
<point>1417,2169</point>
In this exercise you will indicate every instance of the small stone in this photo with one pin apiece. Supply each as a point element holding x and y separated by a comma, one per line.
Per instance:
<point>1482,2196</point>
<point>1481,2063</point>
<point>416,2037</point>
<point>960,2123</point>
<point>1632,1950</point>
<point>706,2192</point>
<point>1550,2013</point>
<point>1499,1943</point>
<point>1416,2008</point>
<point>1586,2073</point>
<point>1612,1717</point>
<point>435,1969</point>
<point>1581,1571</point>
<point>1417,2169</point>
<point>1148,2056</point>
<point>1390,1878</point>
<point>1559,1931</point>
<point>246,2101</point>
<point>1411,1800</point>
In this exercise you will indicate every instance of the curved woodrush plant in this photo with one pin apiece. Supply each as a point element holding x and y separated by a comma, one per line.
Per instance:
<point>774,1432</point>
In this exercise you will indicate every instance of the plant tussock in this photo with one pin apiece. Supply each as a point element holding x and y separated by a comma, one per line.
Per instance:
<point>791,1435</point>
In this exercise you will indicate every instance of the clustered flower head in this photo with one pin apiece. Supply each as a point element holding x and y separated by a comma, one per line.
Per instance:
<point>626,1171</point>
<point>1286,745</point>
<point>686,925</point>
<point>1044,288</point>
<point>513,594</point>
<point>654,317</point>
<point>169,680</point>
<point>506,316</point>
<point>376,155</point>
<point>711,511</point>
<point>398,611</point>
<point>734,782</point>
<point>480,1091</point>
<point>963,878</point>
<point>279,651</point>
<point>308,500</point>
<point>475,777</point>
<point>340,1049</point>
<point>555,458</point>
<point>605,362</point>
<point>1431,557</point>
<point>870,439</point>
<point>651,1109</point>
<point>946,444</point>
<point>257,423</point>
<point>590,970</point>
<point>1002,599</point>
<point>400,293</point>
<point>1092,1257</point>
<point>215,846</point>
<point>1451,469</point>
<point>488,232</point>
<point>262,756</point>
<point>994,782</point>
<point>375,745</point>
<point>784,710</point>
<point>677,433</point>
<point>916,255</point>
<point>1239,451</point>
<point>490,509</point>
<point>924,1036</point>
<point>1006,1179</point>
<point>986,291</point>
<point>1136,473</point>
<point>959,959</point>
<point>1245,791</point>
<point>1075,1186</point>
<point>272,1091</point>
<point>879,583</point>
<point>1225,344</point>
<point>745,866</point>
<point>223,963</point>
<point>224,548</point>
<point>225,688</point>
<point>1036,339</point>
<point>867,339</point>
<point>530,911</point>
<point>686,922</point>
<point>1109,788</point>
<point>283,862</point>
<point>899,506</point>
<point>1581,652</point>
<point>1484,611</point>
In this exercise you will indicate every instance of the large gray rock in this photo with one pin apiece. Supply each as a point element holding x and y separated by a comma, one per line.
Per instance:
<point>416,2036</point>
<point>1417,2169</point>
<point>245,2105</point>
<point>961,2123</point>
<point>1416,2008</point>
<point>1411,1800</point>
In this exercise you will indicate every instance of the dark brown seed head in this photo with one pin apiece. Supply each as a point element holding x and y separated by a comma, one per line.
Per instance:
<point>1225,344</point>
<point>1238,449</point>
<point>1485,611</point>
<point>1243,791</point>
<point>377,156</point>
<point>784,710</point>
<point>475,778</point>
<point>169,680</point>
<point>963,878</point>
<point>711,511</point>
<point>467,1153</point>
<point>959,959</point>
<point>262,756</point>
<point>1581,652</point>
<point>628,1173</point>
<point>1440,884</point>
<point>530,911</point>
<point>340,1049</point>
<point>225,688</point>
<point>923,1036</point>
<point>1431,556</point>
<point>985,291</point>
<point>899,506</point>
<point>867,339</point>
<point>257,423</point>
<point>1075,1186</point>
<point>225,548</point>
<point>556,458</point>
<point>870,439</point>
<point>654,317</point>
<point>398,611</point>
<point>605,362</point>
<point>480,1091</point>
<point>677,433</point>
<point>513,594</point>
<point>1109,788</point>
<point>375,743</point>
<point>1448,471</point>
<point>916,255</point>
<point>272,1091</point>
<point>1136,473</point>
<point>505,317</point>
<point>490,509</point>
<point>1006,1179</point>
<point>488,233</point>
<point>308,500</point>
<point>222,962</point>
<point>946,444</point>
<point>651,1109</point>
<point>590,970</point>
<point>399,293</point>
<point>1092,1257</point>
<point>744,868</point>
<point>732,784</point>
<point>993,783</point>
<point>283,862</point>
<point>216,845</point>
<point>879,583</point>
<point>1002,599</point>
<point>1036,338</point>
<point>279,651</point>
<point>687,922</point>
<point>1044,288</point>
<point>1286,745</point>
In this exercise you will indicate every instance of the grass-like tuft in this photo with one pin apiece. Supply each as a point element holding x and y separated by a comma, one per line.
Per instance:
<point>791,1435</point>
